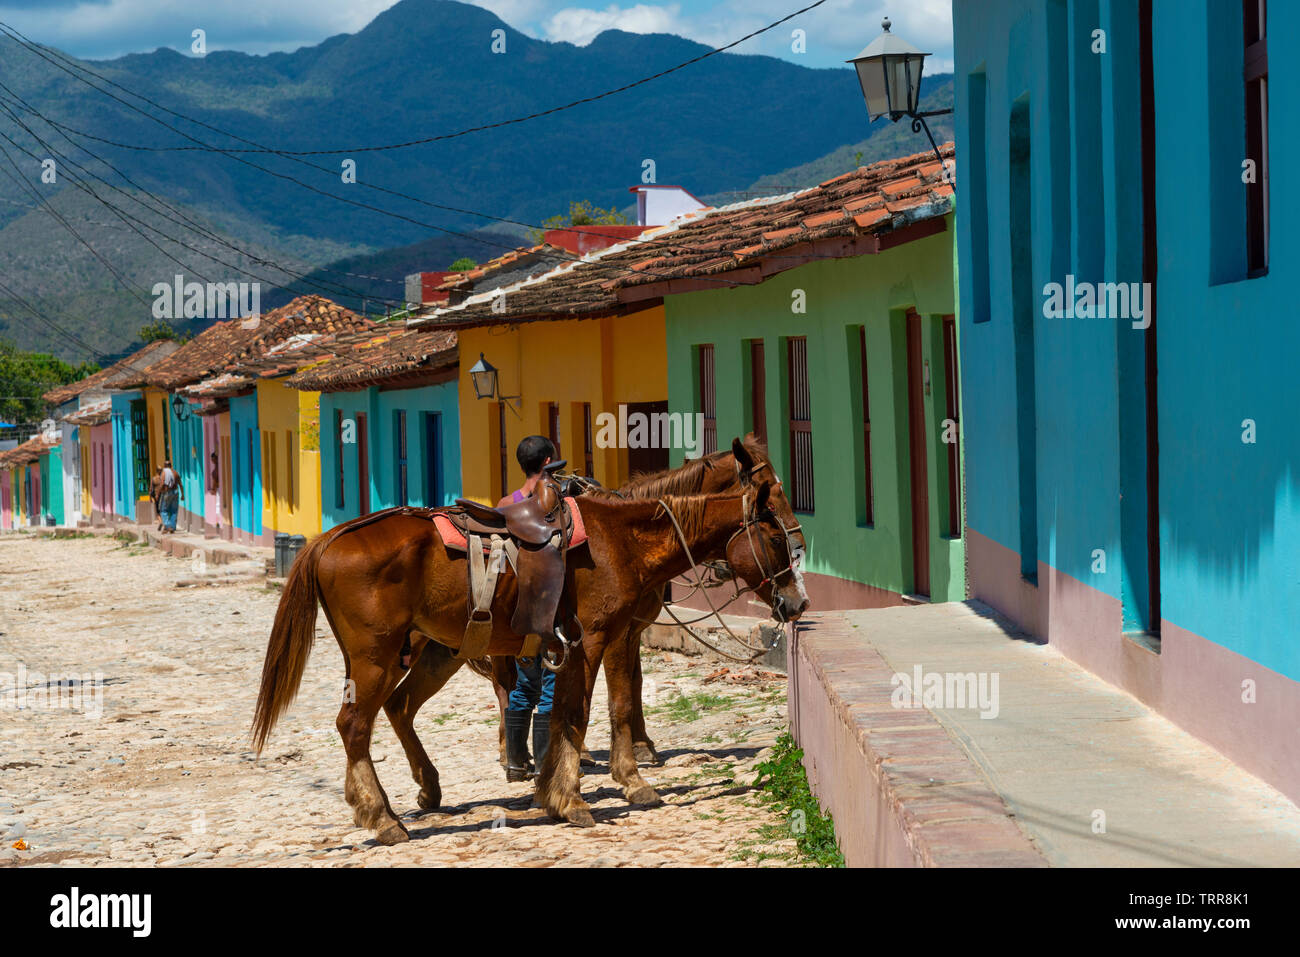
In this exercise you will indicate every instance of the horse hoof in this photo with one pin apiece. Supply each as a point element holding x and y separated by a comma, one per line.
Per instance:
<point>429,802</point>
<point>579,817</point>
<point>586,761</point>
<point>644,794</point>
<point>645,754</point>
<point>392,833</point>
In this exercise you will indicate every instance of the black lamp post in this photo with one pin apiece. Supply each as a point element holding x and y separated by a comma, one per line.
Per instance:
<point>889,70</point>
<point>180,408</point>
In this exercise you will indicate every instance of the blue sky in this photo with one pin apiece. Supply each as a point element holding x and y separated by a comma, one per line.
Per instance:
<point>835,31</point>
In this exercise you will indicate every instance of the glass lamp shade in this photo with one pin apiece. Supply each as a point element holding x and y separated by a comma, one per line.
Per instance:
<point>484,376</point>
<point>889,70</point>
<point>180,407</point>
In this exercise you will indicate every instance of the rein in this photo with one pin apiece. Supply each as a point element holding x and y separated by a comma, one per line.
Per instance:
<point>715,611</point>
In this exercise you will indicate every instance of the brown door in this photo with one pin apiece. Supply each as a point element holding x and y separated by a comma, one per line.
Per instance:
<point>553,427</point>
<point>916,444</point>
<point>647,460</point>
<point>363,464</point>
<point>758,389</point>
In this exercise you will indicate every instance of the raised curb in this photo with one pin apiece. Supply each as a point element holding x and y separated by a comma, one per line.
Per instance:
<point>900,790</point>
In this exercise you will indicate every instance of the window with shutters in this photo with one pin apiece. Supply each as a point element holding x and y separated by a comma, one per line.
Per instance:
<point>799,416</point>
<point>339,472</point>
<point>1255,74</point>
<point>757,389</point>
<point>399,447</point>
<point>708,396</point>
<point>866,481</point>
<point>588,446</point>
<point>952,428</point>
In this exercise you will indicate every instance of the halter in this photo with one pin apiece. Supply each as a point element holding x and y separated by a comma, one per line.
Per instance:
<point>746,526</point>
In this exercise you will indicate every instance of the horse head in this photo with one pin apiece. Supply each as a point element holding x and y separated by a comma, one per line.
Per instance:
<point>763,554</point>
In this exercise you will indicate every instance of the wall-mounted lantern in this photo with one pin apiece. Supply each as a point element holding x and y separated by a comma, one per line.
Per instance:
<point>180,408</point>
<point>889,71</point>
<point>486,380</point>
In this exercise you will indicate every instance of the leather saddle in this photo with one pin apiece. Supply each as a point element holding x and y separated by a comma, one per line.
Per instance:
<point>533,536</point>
<point>531,521</point>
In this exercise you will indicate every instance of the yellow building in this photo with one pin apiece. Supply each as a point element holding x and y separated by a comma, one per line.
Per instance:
<point>289,422</point>
<point>559,377</point>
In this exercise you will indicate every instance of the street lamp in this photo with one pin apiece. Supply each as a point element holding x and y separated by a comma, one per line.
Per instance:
<point>180,408</point>
<point>889,70</point>
<point>484,376</point>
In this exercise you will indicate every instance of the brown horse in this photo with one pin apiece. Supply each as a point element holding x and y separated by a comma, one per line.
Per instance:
<point>387,580</point>
<point>722,471</point>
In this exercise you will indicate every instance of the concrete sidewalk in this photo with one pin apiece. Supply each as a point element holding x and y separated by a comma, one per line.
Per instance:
<point>214,551</point>
<point>1065,753</point>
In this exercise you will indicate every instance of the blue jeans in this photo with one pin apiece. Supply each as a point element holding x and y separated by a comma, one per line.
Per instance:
<point>534,686</point>
<point>168,506</point>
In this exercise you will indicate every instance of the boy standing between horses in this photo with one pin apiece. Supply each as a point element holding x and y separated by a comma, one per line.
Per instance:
<point>534,685</point>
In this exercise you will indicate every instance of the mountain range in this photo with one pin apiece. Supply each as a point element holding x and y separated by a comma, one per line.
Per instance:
<point>423,68</point>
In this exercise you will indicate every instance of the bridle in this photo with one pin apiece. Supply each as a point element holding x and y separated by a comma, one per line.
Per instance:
<point>747,524</point>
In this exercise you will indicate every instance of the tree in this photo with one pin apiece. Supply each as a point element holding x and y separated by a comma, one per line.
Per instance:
<point>581,213</point>
<point>26,376</point>
<point>154,331</point>
<point>463,264</point>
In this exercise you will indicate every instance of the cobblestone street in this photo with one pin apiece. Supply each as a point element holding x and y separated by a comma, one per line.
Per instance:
<point>164,774</point>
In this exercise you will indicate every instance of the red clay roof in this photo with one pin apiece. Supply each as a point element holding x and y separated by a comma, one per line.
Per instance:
<point>27,452</point>
<point>248,346</point>
<point>136,362</point>
<point>760,236</point>
<point>390,353</point>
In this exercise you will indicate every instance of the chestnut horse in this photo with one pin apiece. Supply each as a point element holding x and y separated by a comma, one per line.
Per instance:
<point>387,580</point>
<point>722,471</point>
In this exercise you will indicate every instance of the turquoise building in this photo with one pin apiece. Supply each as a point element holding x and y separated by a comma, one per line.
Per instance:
<point>1133,492</point>
<point>389,424</point>
<point>245,469</point>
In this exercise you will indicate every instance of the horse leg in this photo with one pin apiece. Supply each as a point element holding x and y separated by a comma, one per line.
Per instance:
<point>623,694</point>
<point>433,669</point>
<point>504,677</point>
<point>559,776</point>
<point>372,684</point>
<point>643,749</point>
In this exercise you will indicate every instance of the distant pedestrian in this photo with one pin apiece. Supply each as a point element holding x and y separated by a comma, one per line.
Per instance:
<point>169,496</point>
<point>155,489</point>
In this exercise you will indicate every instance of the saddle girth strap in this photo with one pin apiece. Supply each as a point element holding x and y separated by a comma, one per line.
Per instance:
<point>483,574</point>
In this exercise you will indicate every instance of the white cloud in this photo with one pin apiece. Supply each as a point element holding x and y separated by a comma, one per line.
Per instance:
<point>579,25</point>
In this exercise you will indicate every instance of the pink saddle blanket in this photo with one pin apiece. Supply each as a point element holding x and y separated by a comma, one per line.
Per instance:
<point>452,536</point>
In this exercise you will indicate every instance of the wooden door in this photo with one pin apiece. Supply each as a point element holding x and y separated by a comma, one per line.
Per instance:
<point>647,460</point>
<point>916,445</point>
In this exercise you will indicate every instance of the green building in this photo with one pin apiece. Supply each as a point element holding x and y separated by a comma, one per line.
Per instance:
<point>847,368</point>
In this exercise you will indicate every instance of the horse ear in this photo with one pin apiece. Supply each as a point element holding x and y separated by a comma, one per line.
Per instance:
<point>764,492</point>
<point>743,458</point>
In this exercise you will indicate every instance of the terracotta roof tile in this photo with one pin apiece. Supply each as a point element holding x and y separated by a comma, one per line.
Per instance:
<point>402,351</point>
<point>136,362</point>
<point>707,244</point>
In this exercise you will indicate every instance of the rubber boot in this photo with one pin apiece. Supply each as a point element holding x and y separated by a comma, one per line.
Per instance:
<point>541,737</point>
<point>517,768</point>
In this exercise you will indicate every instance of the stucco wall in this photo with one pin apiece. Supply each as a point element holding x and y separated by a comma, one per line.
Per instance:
<point>872,291</point>
<point>605,362</point>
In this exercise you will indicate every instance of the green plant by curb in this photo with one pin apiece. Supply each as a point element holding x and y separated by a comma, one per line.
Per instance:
<point>782,783</point>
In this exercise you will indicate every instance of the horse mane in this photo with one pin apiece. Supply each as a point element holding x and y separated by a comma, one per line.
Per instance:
<point>688,479</point>
<point>689,510</point>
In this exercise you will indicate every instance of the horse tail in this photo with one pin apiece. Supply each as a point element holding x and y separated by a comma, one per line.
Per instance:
<point>292,637</point>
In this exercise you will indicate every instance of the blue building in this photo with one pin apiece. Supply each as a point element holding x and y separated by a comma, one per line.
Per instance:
<point>1133,483</point>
